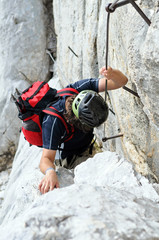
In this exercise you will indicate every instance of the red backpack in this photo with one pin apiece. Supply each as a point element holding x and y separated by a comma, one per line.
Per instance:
<point>33,102</point>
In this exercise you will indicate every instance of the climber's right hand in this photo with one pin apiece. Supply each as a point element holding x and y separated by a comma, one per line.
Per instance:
<point>49,182</point>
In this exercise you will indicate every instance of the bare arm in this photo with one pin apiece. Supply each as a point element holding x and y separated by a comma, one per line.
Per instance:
<point>50,180</point>
<point>115,79</point>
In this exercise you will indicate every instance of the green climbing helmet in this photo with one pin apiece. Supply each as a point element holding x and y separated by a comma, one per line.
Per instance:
<point>90,108</point>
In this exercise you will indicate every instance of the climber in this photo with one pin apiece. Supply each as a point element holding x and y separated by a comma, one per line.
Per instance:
<point>83,112</point>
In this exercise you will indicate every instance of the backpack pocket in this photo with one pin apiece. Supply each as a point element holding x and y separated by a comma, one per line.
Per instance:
<point>31,128</point>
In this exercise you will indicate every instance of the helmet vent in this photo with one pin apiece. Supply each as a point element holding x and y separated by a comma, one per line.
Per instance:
<point>77,103</point>
<point>87,99</point>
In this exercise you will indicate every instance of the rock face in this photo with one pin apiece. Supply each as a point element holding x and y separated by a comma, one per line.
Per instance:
<point>80,30</point>
<point>133,48</point>
<point>106,199</point>
<point>4,176</point>
<point>22,53</point>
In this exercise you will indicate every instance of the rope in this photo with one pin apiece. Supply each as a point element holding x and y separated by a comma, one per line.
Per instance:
<point>104,139</point>
<point>111,8</point>
<point>142,14</point>
<point>107,41</point>
<point>107,49</point>
<point>120,4</point>
<point>106,57</point>
<point>113,5</point>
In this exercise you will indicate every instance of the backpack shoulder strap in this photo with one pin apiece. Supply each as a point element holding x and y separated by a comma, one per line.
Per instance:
<point>67,92</point>
<point>54,112</point>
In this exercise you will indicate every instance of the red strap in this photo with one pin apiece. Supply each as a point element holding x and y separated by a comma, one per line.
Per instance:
<point>65,94</point>
<point>67,91</point>
<point>53,111</point>
<point>72,129</point>
<point>48,111</point>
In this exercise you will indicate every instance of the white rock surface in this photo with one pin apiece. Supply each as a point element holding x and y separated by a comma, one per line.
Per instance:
<point>80,25</point>
<point>4,176</point>
<point>116,172</point>
<point>133,48</point>
<point>22,49</point>
<point>106,200</point>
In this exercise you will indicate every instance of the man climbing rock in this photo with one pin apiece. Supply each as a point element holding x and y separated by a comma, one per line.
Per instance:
<point>82,112</point>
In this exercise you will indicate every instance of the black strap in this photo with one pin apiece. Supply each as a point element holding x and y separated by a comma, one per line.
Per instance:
<point>91,146</point>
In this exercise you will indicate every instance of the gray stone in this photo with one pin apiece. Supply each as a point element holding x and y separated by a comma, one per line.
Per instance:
<point>108,200</point>
<point>4,176</point>
<point>22,53</point>
<point>133,48</point>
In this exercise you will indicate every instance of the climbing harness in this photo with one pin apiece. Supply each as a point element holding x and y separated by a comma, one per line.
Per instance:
<point>110,8</point>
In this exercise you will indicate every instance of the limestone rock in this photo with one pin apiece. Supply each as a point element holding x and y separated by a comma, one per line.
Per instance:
<point>113,171</point>
<point>22,53</point>
<point>106,200</point>
<point>133,49</point>
<point>4,176</point>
